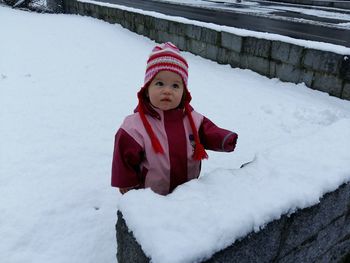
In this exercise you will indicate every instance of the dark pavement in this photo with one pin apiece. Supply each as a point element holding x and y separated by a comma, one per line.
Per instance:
<point>277,22</point>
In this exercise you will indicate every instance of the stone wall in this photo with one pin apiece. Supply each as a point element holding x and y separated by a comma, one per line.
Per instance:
<point>320,70</point>
<point>320,233</point>
<point>55,6</point>
<point>50,6</point>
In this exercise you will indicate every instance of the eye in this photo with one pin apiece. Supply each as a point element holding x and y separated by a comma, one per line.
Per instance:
<point>176,86</point>
<point>159,83</point>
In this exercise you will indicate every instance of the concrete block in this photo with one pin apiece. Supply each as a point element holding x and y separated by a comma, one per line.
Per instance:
<point>162,25</point>
<point>71,8</point>
<point>345,68</point>
<point>149,22</point>
<point>231,42</point>
<point>321,220</point>
<point>340,253</point>
<point>272,72</point>
<point>141,30</point>
<point>177,28</point>
<point>286,53</point>
<point>306,77</point>
<point>330,236</point>
<point>129,21</point>
<point>212,52</point>
<point>128,16</point>
<point>153,34</point>
<point>193,31</point>
<point>101,12</point>
<point>55,6</point>
<point>210,36</point>
<point>257,64</point>
<point>329,244</point>
<point>346,91</point>
<point>80,6</point>
<point>123,22</point>
<point>287,72</point>
<point>109,16</point>
<point>117,14</point>
<point>139,18</point>
<point>223,56</point>
<point>328,83</point>
<point>295,55</point>
<point>256,47</point>
<point>162,37</point>
<point>128,249</point>
<point>105,12</point>
<point>87,10</point>
<point>197,47</point>
<point>181,42</point>
<point>140,27</point>
<point>280,51</point>
<point>130,25</point>
<point>322,61</point>
<point>234,59</point>
<point>256,247</point>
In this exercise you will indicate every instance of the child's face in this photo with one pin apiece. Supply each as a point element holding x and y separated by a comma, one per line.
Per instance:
<point>166,90</point>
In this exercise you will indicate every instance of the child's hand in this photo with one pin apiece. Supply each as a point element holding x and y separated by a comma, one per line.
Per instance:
<point>126,189</point>
<point>230,143</point>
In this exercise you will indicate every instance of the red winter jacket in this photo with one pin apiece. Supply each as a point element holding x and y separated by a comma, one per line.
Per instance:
<point>136,164</point>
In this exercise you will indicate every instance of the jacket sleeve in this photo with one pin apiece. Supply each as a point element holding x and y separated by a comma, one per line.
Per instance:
<point>127,157</point>
<point>217,139</point>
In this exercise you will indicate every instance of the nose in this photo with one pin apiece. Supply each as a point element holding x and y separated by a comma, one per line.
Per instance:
<point>167,90</point>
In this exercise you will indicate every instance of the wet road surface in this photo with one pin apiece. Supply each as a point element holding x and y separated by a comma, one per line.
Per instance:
<point>279,22</point>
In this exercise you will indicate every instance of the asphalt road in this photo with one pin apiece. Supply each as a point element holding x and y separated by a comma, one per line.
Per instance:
<point>272,23</point>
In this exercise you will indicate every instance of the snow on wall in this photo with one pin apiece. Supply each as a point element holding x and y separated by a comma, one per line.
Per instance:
<point>320,233</point>
<point>208,215</point>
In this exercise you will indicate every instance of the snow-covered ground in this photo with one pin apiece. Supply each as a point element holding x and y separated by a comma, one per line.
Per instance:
<point>67,82</point>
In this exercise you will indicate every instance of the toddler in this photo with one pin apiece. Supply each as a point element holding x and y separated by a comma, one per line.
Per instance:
<point>162,144</point>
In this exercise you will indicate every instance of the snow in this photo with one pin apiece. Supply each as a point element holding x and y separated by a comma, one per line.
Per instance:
<point>342,50</point>
<point>39,3</point>
<point>66,84</point>
<point>205,216</point>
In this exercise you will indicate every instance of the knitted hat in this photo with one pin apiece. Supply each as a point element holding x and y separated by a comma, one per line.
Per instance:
<point>167,57</point>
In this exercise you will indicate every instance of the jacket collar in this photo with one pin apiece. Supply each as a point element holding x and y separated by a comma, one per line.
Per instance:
<point>156,113</point>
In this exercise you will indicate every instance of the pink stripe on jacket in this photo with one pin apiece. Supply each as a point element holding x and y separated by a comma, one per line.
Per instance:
<point>136,164</point>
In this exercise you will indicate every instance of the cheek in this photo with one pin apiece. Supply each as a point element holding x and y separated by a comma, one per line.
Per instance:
<point>154,97</point>
<point>151,93</point>
<point>182,95</point>
<point>179,97</point>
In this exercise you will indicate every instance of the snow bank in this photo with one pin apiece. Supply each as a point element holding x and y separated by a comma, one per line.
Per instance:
<point>207,215</point>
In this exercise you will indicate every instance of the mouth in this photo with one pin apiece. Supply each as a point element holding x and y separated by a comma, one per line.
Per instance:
<point>165,100</point>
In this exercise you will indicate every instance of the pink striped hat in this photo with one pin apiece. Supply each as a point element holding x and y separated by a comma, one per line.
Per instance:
<point>167,57</point>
